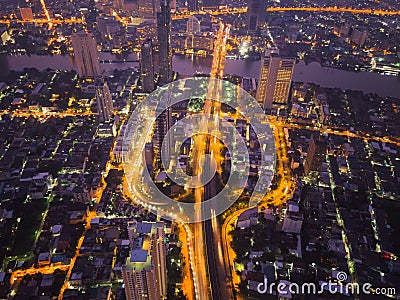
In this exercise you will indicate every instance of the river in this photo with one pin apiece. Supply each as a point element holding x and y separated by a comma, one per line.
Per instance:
<point>368,82</point>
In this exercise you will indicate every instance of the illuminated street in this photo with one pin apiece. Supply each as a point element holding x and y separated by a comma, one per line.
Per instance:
<point>228,11</point>
<point>204,259</point>
<point>199,149</point>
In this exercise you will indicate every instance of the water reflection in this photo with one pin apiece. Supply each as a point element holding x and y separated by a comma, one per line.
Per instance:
<point>188,66</point>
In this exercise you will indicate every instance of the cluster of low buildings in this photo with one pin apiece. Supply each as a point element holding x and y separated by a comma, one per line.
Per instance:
<point>90,254</point>
<point>66,226</point>
<point>341,218</point>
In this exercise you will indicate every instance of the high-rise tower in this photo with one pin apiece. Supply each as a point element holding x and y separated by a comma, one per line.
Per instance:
<point>274,81</point>
<point>86,55</point>
<point>255,14</point>
<point>104,101</point>
<point>164,42</point>
<point>164,123</point>
<point>145,273</point>
<point>193,25</point>
<point>147,66</point>
<point>315,154</point>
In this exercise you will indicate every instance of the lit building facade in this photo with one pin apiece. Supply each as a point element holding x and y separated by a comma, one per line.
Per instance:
<point>147,66</point>
<point>274,80</point>
<point>86,55</point>
<point>164,123</point>
<point>145,273</point>
<point>164,42</point>
<point>148,8</point>
<point>315,154</point>
<point>104,101</point>
<point>199,42</point>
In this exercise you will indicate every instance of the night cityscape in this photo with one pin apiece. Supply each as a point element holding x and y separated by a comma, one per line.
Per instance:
<point>199,149</point>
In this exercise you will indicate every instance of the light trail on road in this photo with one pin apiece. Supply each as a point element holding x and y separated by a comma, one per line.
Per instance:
<point>133,188</point>
<point>224,11</point>
<point>281,194</point>
<point>332,130</point>
<point>335,9</point>
<point>46,13</point>
<point>201,262</point>
<point>229,253</point>
<point>45,10</point>
<point>286,186</point>
<point>45,21</point>
<point>43,115</point>
<point>18,274</point>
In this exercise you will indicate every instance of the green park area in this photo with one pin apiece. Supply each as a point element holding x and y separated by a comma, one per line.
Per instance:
<point>28,228</point>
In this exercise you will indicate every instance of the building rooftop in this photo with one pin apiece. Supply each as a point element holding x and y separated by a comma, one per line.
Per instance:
<point>144,228</point>
<point>140,258</point>
<point>138,255</point>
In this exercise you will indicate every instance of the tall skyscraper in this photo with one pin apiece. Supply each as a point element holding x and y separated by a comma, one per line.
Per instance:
<point>164,42</point>
<point>147,66</point>
<point>315,154</point>
<point>145,273</point>
<point>275,79</point>
<point>104,101</point>
<point>255,14</point>
<point>164,124</point>
<point>149,158</point>
<point>86,55</point>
